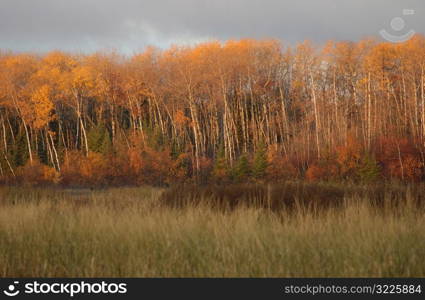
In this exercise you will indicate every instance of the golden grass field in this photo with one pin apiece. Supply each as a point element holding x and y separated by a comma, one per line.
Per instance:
<point>132,232</point>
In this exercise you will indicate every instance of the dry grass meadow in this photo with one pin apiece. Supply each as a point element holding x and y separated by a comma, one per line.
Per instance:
<point>289,230</point>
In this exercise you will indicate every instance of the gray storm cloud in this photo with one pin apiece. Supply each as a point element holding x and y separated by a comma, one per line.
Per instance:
<point>130,25</point>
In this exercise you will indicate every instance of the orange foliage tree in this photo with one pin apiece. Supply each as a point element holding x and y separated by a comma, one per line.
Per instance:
<point>348,110</point>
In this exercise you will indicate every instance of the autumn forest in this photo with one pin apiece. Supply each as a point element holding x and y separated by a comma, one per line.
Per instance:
<point>239,111</point>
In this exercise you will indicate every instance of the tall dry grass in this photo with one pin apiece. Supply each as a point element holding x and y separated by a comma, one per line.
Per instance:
<point>136,232</point>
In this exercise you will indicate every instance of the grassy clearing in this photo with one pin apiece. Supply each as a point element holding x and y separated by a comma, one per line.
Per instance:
<point>131,232</point>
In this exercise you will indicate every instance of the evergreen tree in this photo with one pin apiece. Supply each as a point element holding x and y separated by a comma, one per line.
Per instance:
<point>19,150</point>
<point>221,170</point>
<point>242,169</point>
<point>368,170</point>
<point>42,152</point>
<point>99,140</point>
<point>260,162</point>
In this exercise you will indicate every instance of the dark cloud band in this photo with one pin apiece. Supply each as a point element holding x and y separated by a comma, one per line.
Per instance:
<point>129,25</point>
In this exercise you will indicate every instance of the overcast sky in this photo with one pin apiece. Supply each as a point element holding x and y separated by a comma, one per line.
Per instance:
<point>130,25</point>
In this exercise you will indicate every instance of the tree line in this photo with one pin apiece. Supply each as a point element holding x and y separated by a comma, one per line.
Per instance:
<point>248,110</point>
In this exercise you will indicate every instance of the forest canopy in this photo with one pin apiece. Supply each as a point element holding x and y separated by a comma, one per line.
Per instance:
<point>248,110</point>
